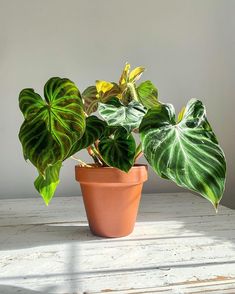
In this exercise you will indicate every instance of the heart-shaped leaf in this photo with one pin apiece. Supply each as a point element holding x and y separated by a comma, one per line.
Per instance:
<point>148,94</point>
<point>52,125</point>
<point>118,150</point>
<point>50,129</point>
<point>188,152</point>
<point>47,185</point>
<point>117,114</point>
<point>95,127</point>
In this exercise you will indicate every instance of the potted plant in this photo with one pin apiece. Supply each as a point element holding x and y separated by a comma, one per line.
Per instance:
<point>184,150</point>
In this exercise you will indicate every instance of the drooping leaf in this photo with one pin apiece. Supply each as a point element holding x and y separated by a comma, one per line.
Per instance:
<point>89,96</point>
<point>117,114</point>
<point>188,152</point>
<point>118,150</point>
<point>39,145</point>
<point>148,94</point>
<point>52,125</point>
<point>135,74</point>
<point>47,185</point>
<point>95,127</point>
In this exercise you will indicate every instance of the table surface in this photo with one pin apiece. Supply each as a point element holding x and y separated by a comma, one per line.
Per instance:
<point>179,245</point>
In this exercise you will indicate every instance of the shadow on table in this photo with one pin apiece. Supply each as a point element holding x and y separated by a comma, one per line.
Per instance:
<point>194,220</point>
<point>7,289</point>
<point>28,236</point>
<point>192,224</point>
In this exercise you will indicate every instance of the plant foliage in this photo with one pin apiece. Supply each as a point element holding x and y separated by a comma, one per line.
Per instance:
<point>185,150</point>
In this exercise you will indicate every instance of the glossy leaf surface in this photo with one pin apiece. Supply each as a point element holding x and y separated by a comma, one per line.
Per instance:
<point>51,126</point>
<point>117,114</point>
<point>47,185</point>
<point>95,127</point>
<point>118,150</point>
<point>186,153</point>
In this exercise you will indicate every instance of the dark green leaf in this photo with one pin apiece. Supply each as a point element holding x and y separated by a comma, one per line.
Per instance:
<point>94,129</point>
<point>118,150</point>
<point>188,152</point>
<point>50,129</point>
<point>52,125</point>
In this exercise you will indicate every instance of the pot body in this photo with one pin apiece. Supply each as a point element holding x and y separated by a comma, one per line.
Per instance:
<point>111,198</point>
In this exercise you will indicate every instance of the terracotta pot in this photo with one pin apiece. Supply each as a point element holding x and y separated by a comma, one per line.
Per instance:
<point>111,198</point>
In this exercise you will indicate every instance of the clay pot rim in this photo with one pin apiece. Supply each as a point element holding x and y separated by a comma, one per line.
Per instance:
<point>98,174</point>
<point>93,165</point>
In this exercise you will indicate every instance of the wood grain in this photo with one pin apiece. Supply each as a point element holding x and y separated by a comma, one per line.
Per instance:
<point>179,245</point>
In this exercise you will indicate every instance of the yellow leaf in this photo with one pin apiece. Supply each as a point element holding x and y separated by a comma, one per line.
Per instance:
<point>125,73</point>
<point>181,114</point>
<point>136,74</point>
<point>103,87</point>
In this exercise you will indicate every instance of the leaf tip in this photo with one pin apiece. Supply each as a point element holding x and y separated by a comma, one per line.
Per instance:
<point>216,206</point>
<point>181,114</point>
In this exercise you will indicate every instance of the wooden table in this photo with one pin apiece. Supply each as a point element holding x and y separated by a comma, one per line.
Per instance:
<point>179,246</point>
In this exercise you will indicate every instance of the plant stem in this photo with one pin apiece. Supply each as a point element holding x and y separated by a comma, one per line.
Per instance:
<point>138,152</point>
<point>133,92</point>
<point>92,154</point>
<point>137,157</point>
<point>96,152</point>
<point>82,162</point>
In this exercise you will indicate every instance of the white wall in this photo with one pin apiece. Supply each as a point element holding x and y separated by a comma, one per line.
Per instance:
<point>186,45</point>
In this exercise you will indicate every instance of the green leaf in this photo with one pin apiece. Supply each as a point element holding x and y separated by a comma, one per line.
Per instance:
<point>50,129</point>
<point>89,96</point>
<point>188,152</point>
<point>118,150</point>
<point>95,127</point>
<point>117,114</point>
<point>52,125</point>
<point>148,94</point>
<point>38,144</point>
<point>46,185</point>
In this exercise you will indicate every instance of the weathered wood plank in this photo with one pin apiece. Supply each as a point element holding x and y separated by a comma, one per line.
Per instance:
<point>64,209</point>
<point>184,247</point>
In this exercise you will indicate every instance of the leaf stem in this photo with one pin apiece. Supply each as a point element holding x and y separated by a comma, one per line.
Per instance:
<point>133,92</point>
<point>138,152</point>
<point>98,155</point>
<point>80,161</point>
<point>93,152</point>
